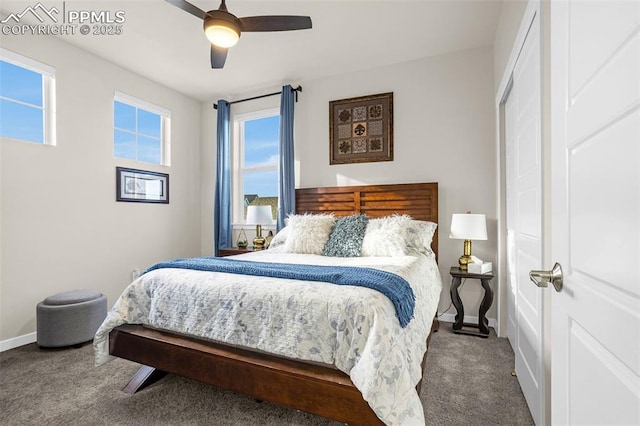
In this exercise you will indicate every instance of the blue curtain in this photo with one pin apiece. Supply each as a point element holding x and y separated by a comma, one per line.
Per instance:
<point>222,199</point>
<point>286,168</point>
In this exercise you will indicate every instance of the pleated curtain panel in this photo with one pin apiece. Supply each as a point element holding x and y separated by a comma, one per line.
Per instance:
<point>222,198</point>
<point>286,167</point>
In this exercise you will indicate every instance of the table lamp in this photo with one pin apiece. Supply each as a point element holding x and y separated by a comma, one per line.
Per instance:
<point>468,227</point>
<point>257,215</point>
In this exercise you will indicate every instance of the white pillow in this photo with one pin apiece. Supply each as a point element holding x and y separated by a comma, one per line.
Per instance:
<point>385,236</point>
<point>308,233</point>
<point>280,238</point>
<point>419,234</point>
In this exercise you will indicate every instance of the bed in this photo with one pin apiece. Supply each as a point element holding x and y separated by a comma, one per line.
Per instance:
<point>312,385</point>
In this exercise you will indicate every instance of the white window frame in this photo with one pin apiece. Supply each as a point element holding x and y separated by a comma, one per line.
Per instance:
<point>238,161</point>
<point>48,92</point>
<point>165,125</point>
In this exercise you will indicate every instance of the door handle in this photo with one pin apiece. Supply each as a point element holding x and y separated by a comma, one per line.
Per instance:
<point>543,278</point>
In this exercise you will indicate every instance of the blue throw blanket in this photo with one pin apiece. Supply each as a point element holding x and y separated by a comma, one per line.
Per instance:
<point>396,288</point>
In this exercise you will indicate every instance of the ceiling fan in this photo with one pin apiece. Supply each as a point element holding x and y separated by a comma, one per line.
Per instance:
<point>223,29</point>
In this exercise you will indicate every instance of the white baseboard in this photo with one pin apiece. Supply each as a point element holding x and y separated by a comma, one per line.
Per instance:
<point>5,345</point>
<point>472,320</point>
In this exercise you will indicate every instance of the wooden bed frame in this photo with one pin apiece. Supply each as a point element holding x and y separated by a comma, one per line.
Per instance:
<point>319,390</point>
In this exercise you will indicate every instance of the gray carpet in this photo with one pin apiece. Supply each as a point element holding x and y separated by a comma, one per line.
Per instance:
<point>468,382</point>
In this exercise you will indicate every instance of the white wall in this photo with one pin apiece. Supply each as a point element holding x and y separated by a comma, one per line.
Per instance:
<point>443,132</point>
<point>207,176</point>
<point>61,227</point>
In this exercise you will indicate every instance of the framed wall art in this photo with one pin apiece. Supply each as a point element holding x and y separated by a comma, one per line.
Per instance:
<point>361,129</point>
<point>141,186</point>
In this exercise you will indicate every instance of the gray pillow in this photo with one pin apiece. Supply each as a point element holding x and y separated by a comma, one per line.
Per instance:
<point>346,237</point>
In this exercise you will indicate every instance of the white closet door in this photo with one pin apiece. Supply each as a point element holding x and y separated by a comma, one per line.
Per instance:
<point>524,221</point>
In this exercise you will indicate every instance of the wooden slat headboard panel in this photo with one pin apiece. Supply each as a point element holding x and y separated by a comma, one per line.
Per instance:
<point>419,200</point>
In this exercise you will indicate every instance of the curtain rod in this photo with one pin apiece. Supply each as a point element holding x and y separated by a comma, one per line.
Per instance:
<point>296,90</point>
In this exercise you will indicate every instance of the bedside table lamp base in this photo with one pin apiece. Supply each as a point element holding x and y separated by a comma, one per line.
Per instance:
<point>258,241</point>
<point>465,259</point>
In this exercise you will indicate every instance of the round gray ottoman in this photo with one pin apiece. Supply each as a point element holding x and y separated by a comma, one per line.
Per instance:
<point>70,318</point>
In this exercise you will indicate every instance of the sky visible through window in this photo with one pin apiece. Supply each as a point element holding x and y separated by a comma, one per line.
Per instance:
<point>261,149</point>
<point>21,103</point>
<point>137,133</point>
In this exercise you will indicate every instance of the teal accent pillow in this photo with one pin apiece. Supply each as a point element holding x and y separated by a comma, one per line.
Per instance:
<point>346,237</point>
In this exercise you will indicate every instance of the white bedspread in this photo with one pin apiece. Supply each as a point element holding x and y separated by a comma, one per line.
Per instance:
<point>353,328</point>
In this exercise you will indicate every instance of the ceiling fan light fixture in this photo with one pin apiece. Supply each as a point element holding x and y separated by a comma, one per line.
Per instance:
<point>223,29</point>
<point>222,32</point>
<point>222,36</point>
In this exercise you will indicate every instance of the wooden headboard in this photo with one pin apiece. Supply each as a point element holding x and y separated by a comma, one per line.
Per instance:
<point>419,200</point>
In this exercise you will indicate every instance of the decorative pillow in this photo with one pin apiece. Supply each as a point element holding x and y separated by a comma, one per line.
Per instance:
<point>346,238</point>
<point>419,234</point>
<point>385,236</point>
<point>280,238</point>
<point>308,233</point>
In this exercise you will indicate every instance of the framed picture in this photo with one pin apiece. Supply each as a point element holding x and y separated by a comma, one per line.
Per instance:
<point>141,186</point>
<point>361,129</point>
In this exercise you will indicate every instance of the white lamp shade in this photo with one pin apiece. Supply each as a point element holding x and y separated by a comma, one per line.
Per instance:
<point>468,227</point>
<point>259,215</point>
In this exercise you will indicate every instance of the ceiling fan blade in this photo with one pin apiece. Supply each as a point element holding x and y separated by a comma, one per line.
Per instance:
<point>188,7</point>
<point>218,56</point>
<point>275,23</point>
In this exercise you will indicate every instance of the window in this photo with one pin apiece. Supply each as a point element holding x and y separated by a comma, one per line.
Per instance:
<point>140,130</point>
<point>27,99</point>
<point>256,161</point>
